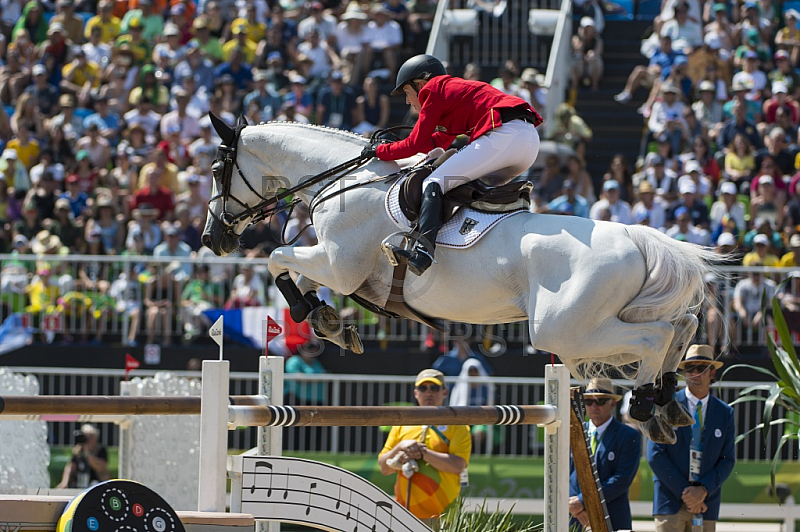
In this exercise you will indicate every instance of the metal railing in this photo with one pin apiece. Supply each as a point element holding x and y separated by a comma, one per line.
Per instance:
<point>378,390</point>
<point>109,299</point>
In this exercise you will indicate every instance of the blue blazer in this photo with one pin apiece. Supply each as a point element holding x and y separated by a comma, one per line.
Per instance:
<point>670,463</point>
<point>618,453</point>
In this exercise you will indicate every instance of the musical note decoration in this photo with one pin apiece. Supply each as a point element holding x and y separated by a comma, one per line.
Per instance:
<point>320,496</point>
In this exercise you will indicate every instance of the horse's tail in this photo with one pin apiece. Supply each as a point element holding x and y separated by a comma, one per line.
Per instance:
<point>676,278</point>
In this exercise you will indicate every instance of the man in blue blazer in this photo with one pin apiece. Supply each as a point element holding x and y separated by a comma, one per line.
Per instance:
<point>617,449</point>
<point>677,498</point>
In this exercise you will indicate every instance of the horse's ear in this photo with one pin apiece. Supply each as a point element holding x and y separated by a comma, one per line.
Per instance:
<point>225,132</point>
<point>242,121</point>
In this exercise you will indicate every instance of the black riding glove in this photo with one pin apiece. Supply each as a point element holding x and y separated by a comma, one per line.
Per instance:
<point>369,151</point>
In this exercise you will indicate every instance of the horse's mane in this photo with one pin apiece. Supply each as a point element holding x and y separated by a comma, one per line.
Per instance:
<point>346,135</point>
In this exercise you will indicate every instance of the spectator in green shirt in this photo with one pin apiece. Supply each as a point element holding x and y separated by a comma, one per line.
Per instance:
<point>305,362</point>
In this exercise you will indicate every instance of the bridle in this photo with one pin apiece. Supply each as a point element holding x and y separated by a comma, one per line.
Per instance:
<point>222,170</point>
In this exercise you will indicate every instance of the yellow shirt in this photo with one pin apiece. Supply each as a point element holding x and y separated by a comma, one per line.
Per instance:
<point>754,258</point>
<point>255,32</point>
<point>249,50</point>
<point>88,72</point>
<point>787,261</point>
<point>110,28</point>
<point>28,154</point>
<point>169,177</point>
<point>431,490</point>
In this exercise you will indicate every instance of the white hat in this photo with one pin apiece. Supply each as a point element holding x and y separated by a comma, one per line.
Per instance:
<point>779,86</point>
<point>39,68</point>
<point>727,188</point>
<point>9,153</point>
<point>765,180</point>
<point>794,242</point>
<point>726,239</point>
<point>692,166</point>
<point>761,238</point>
<point>712,40</point>
<point>688,187</point>
<point>171,29</point>
<point>587,21</point>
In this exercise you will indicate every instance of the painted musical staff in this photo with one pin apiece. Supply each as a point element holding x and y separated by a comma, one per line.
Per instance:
<point>319,494</point>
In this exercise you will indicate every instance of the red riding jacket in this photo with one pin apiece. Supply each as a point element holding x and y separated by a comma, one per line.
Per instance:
<point>451,107</point>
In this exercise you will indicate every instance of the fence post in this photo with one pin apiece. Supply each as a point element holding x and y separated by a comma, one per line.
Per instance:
<point>213,436</point>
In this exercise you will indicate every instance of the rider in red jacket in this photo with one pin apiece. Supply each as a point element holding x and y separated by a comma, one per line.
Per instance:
<point>502,133</point>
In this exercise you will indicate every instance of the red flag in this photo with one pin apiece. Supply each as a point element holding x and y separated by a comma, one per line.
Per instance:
<point>130,363</point>
<point>273,329</point>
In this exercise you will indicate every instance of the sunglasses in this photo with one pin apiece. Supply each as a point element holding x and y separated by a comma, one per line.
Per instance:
<point>696,368</point>
<point>598,402</point>
<point>433,387</point>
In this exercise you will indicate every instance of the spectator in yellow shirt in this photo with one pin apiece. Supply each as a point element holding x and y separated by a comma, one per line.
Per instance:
<point>79,74</point>
<point>428,460</point>
<point>141,48</point>
<point>106,20</point>
<point>240,40</point>
<point>792,259</point>
<point>27,148</point>
<point>169,171</point>
<point>256,30</point>
<point>760,256</point>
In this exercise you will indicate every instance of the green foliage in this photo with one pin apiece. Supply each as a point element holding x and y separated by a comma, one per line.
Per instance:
<point>482,520</point>
<point>784,392</point>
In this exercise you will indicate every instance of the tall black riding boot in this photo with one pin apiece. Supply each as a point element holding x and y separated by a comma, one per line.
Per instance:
<point>430,221</point>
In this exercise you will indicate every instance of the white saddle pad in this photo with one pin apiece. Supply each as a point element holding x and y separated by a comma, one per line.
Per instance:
<point>460,232</point>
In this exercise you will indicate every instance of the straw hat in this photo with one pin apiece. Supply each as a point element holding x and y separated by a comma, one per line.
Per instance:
<point>601,388</point>
<point>104,201</point>
<point>46,243</point>
<point>700,353</point>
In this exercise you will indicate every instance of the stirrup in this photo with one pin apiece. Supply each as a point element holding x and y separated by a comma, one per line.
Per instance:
<point>407,244</point>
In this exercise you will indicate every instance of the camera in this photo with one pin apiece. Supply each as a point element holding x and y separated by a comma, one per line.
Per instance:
<point>80,437</point>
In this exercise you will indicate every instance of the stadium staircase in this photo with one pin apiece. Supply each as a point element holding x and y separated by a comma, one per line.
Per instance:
<point>617,128</point>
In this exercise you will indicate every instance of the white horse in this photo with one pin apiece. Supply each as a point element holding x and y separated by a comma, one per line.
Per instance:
<point>593,292</point>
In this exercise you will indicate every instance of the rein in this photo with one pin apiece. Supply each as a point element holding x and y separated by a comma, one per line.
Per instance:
<point>225,163</point>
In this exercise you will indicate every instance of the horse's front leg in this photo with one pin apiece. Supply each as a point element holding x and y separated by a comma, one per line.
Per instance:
<point>311,263</point>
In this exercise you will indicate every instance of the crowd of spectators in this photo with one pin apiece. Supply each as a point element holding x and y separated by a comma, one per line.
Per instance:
<point>719,160</point>
<point>106,145</point>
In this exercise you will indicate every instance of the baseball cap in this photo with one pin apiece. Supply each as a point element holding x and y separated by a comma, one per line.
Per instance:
<point>39,69</point>
<point>658,160</point>
<point>727,188</point>
<point>646,186</point>
<point>171,29</point>
<point>81,155</point>
<point>688,187</point>
<point>669,87</point>
<point>794,242</point>
<point>587,21</point>
<point>20,240</point>
<point>738,86</point>
<point>750,54</point>
<point>780,87</point>
<point>429,375</point>
<point>177,9</point>
<point>750,5</point>
<point>568,183</point>
<point>171,230</point>
<point>272,56</point>
<point>706,86</point>
<point>611,184</point>
<point>719,7</point>
<point>781,54</point>
<point>9,153</point>
<point>55,27</point>
<point>692,166</point>
<point>726,239</point>
<point>712,40</point>
<point>240,29</point>
<point>761,238</point>
<point>135,22</point>
<point>765,180</point>
<point>192,178</point>
<point>680,60</point>
<point>62,203</point>
<point>73,178</point>
<point>792,13</point>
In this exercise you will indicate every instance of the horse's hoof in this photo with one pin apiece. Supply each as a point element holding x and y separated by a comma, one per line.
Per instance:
<point>325,321</point>
<point>352,340</point>
<point>659,432</point>
<point>676,415</point>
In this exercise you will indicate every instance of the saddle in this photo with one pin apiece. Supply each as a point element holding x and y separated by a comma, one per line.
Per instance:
<point>476,194</point>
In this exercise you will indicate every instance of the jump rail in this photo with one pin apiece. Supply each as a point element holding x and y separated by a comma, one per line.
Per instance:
<point>253,410</point>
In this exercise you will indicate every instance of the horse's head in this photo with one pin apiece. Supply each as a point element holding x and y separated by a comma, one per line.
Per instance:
<point>236,201</point>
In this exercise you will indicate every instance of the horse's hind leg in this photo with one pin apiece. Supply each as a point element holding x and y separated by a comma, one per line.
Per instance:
<point>668,409</point>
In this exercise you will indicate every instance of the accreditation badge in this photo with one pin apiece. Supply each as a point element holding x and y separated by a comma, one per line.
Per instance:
<point>695,459</point>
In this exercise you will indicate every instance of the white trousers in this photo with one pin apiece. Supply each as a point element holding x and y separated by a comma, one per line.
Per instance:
<point>500,155</point>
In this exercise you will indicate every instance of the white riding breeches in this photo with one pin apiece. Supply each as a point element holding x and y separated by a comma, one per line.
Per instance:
<point>499,155</point>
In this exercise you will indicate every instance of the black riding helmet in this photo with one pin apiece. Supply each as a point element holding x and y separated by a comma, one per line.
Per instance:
<point>418,67</point>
